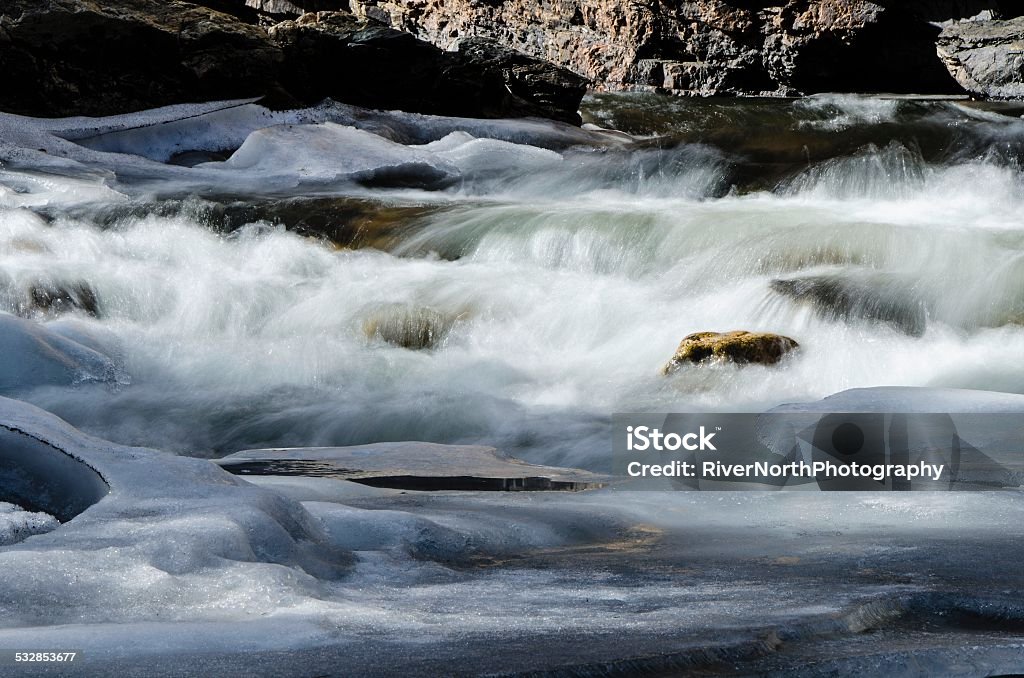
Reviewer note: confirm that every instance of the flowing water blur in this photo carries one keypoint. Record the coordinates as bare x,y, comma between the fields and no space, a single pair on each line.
550,287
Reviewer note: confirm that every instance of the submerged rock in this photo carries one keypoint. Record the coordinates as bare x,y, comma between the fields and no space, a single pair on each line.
839,298
410,326
53,299
345,222
986,57
739,347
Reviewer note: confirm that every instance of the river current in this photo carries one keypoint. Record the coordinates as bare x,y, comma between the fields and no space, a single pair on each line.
511,284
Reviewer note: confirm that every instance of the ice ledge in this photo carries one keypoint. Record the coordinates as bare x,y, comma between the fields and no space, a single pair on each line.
412,466
111,489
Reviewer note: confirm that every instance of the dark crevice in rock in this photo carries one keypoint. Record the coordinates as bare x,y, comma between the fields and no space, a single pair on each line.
465,483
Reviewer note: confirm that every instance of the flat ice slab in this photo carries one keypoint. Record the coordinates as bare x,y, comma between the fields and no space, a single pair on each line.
414,466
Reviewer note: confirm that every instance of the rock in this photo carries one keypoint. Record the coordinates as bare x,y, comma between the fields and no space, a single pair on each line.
53,299
77,57
739,347
853,46
344,222
332,54
410,326
838,298
708,47
44,298
986,57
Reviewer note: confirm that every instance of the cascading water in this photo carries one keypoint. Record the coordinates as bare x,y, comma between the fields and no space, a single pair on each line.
535,286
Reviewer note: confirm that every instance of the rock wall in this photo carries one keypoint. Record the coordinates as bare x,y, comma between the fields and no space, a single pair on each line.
708,46
66,57
986,57
79,57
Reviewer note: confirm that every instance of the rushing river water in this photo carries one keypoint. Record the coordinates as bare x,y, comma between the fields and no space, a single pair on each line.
541,284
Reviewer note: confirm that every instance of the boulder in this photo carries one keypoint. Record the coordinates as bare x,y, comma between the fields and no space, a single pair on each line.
78,57
53,299
740,347
333,54
45,298
986,57
410,326
708,47
834,297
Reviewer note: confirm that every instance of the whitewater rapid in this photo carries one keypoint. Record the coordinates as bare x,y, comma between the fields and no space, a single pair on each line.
563,271
206,279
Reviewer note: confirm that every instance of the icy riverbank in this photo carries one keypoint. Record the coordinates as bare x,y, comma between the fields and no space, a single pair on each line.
183,567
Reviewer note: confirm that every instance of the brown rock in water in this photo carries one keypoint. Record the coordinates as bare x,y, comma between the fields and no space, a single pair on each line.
739,347
410,326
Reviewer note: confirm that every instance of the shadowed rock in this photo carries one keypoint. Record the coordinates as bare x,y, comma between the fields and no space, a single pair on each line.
740,347
707,47
74,57
77,57
333,54
839,298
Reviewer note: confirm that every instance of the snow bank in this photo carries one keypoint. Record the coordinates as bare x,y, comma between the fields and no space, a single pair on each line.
17,524
488,156
183,567
326,147
175,538
326,153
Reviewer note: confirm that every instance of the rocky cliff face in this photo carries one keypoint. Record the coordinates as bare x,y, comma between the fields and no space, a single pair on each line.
79,57
709,46
64,57
986,57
